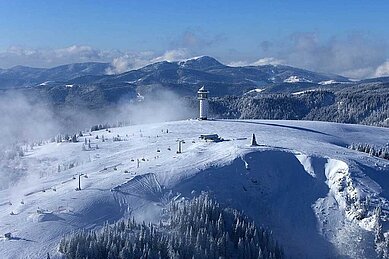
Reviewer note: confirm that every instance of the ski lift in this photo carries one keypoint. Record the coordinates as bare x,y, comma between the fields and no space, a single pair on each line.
179,148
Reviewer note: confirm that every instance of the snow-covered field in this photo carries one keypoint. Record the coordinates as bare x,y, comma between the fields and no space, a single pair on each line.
302,182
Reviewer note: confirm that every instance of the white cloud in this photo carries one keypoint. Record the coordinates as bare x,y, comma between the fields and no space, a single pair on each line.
120,61
259,62
238,63
52,57
355,55
119,65
267,61
130,61
173,55
382,70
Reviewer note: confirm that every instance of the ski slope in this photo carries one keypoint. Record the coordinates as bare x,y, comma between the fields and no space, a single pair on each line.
302,182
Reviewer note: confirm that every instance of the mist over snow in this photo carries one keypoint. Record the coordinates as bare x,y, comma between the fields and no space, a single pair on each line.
163,105
26,124
23,120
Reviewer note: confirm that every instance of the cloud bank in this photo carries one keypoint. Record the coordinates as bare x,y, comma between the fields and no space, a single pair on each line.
355,55
120,61
15,55
259,62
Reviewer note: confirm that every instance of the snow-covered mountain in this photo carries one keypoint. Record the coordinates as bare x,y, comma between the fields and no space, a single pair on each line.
186,74
326,97
317,196
22,76
185,77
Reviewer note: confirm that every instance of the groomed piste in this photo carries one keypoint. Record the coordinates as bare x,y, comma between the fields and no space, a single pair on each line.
302,182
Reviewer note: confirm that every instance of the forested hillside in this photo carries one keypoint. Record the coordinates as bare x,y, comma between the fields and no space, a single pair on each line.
361,104
199,228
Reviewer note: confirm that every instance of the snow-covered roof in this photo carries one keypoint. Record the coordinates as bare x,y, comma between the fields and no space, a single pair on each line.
202,89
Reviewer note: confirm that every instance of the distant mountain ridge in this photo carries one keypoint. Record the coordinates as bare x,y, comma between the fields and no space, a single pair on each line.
184,78
22,76
250,92
186,73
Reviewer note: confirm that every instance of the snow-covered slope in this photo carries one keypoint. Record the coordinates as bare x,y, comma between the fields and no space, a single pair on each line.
301,182
296,79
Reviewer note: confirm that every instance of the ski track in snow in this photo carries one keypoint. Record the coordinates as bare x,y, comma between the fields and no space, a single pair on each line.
301,182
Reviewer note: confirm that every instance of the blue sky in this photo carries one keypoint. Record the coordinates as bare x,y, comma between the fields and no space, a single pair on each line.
237,32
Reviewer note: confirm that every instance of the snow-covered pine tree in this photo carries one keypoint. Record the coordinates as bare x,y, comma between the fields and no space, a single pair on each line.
198,228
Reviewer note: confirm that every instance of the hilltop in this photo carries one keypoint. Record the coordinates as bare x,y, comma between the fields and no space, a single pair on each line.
301,182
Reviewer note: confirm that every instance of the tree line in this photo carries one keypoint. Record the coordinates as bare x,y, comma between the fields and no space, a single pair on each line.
197,228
